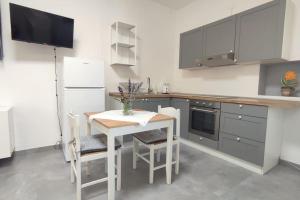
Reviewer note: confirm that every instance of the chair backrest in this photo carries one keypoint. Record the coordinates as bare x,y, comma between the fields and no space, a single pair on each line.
74,121
173,112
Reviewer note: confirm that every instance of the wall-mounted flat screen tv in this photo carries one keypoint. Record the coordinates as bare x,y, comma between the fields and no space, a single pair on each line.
34,26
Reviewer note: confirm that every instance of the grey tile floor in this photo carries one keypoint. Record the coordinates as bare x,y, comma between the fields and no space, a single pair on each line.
43,175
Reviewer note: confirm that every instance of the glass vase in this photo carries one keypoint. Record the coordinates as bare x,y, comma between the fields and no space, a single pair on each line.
127,108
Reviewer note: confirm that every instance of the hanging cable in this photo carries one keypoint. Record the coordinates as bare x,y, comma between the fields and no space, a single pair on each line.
59,143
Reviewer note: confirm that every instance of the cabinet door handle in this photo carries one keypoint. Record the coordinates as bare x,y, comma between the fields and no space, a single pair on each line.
238,139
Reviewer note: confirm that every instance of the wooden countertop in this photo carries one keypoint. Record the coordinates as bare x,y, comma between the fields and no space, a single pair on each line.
117,124
223,99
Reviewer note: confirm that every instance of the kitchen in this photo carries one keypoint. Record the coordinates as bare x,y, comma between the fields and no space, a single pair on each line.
248,88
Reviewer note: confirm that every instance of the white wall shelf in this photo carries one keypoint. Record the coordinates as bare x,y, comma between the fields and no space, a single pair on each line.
123,44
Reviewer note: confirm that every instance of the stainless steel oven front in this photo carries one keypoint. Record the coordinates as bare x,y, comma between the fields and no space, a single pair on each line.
204,120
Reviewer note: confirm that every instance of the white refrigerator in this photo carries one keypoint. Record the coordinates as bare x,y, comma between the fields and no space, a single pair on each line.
81,89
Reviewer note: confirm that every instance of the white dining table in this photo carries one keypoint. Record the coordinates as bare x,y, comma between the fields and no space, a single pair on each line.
113,129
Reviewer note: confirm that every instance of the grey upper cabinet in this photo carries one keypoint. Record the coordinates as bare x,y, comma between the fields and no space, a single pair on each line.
219,37
260,33
184,106
191,48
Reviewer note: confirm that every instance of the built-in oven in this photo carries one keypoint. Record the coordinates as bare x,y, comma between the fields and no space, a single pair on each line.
204,120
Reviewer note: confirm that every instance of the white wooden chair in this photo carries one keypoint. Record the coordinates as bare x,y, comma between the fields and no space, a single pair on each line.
88,148
156,141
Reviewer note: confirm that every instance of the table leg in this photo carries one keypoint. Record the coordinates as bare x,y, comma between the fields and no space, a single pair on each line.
88,132
111,166
169,153
88,128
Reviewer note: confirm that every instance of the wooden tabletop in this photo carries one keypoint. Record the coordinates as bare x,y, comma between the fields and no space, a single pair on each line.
117,124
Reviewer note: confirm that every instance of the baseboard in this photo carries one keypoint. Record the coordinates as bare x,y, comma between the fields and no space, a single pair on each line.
288,163
36,150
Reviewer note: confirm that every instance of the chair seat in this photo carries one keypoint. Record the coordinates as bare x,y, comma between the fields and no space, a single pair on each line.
152,137
95,143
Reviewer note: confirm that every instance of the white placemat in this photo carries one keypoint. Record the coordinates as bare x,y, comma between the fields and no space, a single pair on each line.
141,117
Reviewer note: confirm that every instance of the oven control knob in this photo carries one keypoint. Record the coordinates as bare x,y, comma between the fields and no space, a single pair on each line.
203,103
240,117
241,106
238,139
197,102
210,104
201,138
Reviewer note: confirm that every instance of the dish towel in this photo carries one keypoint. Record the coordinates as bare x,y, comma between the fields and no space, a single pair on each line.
141,117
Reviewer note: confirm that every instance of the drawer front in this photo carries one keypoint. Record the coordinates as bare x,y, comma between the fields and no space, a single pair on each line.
203,141
249,110
242,148
252,128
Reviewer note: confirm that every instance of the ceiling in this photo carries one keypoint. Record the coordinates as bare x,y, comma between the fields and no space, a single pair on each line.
175,4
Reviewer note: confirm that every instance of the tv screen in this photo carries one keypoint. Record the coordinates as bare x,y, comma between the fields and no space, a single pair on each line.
30,25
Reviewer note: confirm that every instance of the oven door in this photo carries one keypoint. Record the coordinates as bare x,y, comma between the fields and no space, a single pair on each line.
204,122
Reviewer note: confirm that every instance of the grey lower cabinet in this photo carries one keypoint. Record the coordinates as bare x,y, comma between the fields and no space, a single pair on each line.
252,128
151,104
191,48
242,148
241,135
203,141
219,37
184,106
260,32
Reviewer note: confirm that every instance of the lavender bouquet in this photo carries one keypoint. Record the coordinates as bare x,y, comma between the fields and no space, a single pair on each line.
127,95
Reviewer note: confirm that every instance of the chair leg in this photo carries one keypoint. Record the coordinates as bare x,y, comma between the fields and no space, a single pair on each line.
119,165
151,168
105,166
71,168
78,180
135,151
158,154
88,170
177,158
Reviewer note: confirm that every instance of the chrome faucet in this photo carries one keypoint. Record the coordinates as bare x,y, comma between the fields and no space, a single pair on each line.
149,85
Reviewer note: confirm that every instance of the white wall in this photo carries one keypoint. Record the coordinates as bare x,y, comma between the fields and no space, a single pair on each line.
27,71
239,80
